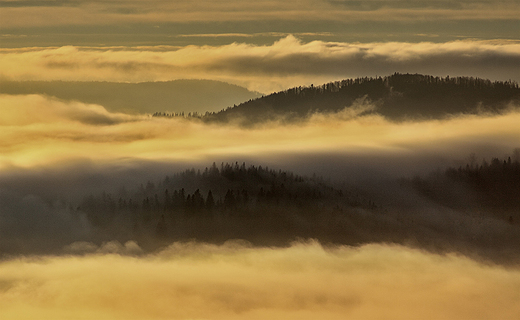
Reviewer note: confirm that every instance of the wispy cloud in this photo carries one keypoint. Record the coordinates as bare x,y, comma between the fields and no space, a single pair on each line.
46,13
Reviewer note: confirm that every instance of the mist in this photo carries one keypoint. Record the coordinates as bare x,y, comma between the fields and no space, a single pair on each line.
376,176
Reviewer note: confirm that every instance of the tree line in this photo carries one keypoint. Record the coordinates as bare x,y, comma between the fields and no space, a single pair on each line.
230,200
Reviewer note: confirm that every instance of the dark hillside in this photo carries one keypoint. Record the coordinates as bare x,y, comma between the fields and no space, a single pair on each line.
473,210
397,97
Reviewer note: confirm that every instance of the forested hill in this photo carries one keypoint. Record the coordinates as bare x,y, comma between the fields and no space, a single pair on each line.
397,97
492,188
473,210
233,201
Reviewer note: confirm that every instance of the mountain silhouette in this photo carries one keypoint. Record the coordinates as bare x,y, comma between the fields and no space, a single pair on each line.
397,97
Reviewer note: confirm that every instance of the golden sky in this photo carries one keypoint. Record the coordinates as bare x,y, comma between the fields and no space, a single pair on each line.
23,13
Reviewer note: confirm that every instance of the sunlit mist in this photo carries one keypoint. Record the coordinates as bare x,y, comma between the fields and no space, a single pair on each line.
38,130
236,281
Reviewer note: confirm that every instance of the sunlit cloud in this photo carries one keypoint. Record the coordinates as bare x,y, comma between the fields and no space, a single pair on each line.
38,130
287,62
235,281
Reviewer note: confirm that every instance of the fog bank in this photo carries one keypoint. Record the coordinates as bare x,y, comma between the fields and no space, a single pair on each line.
39,131
235,281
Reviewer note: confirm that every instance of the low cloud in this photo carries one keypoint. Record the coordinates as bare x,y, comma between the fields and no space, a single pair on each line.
288,62
237,281
37,109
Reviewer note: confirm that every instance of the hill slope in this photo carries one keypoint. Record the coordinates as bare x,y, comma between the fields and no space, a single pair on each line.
397,97
234,201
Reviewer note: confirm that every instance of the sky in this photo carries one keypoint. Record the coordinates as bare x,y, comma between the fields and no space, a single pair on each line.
179,23
264,46
55,149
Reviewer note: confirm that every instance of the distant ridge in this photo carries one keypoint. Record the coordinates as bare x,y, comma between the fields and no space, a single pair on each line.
397,97
143,97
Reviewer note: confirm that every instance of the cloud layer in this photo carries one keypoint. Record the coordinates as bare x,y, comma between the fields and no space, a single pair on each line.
286,63
235,281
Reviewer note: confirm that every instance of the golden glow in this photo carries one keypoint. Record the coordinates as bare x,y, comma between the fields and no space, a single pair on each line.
47,145
233,281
